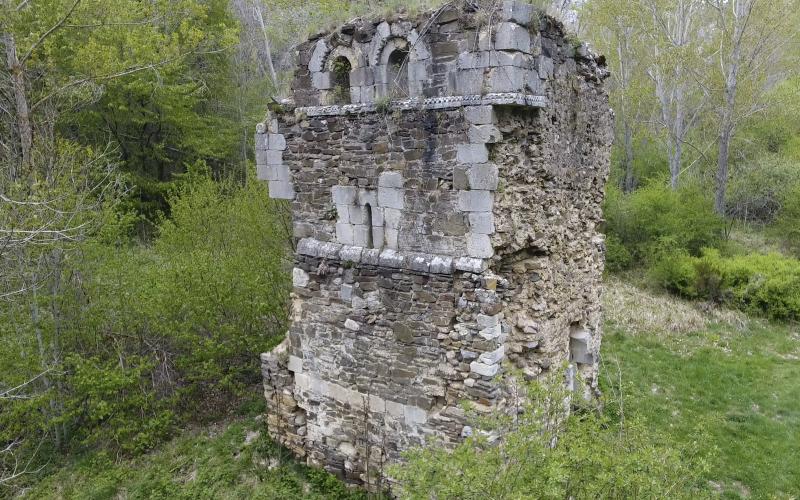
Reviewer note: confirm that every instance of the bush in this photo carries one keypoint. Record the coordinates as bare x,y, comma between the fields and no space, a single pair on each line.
597,455
148,337
767,285
641,221
787,225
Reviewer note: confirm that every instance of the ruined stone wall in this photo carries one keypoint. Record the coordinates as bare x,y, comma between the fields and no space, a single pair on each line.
446,228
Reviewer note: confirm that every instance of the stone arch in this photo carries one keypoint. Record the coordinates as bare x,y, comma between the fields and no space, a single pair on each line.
396,59
342,52
340,79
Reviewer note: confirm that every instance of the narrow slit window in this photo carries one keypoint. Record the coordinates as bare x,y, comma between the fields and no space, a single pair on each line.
368,222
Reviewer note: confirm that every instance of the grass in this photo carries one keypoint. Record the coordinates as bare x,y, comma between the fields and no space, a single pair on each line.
232,460
686,367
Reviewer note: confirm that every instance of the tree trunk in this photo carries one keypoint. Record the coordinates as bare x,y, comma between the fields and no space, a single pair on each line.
628,140
267,49
17,74
722,172
20,99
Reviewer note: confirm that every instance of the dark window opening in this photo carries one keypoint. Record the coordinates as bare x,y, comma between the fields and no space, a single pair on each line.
341,80
368,222
397,68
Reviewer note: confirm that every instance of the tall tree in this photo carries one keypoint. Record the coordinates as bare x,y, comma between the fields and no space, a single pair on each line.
752,38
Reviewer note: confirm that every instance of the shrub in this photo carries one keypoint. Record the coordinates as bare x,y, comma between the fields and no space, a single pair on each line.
767,285
596,455
644,219
787,225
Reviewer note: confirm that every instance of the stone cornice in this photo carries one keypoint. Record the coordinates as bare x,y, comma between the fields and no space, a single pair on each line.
412,261
514,99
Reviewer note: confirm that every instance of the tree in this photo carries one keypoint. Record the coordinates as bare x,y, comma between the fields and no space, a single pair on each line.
751,37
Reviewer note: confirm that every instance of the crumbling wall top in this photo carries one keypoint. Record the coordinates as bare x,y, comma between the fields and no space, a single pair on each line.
461,54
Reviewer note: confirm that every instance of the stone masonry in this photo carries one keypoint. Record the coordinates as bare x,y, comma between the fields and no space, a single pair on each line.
445,174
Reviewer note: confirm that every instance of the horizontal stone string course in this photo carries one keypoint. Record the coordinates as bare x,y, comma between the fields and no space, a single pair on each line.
412,261
516,99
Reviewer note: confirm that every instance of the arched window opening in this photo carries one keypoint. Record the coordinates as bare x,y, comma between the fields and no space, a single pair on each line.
368,222
397,70
341,80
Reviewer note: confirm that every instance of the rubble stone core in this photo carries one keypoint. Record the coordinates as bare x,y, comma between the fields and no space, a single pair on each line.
446,174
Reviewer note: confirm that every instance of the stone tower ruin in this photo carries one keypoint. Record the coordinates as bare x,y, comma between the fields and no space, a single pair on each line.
445,174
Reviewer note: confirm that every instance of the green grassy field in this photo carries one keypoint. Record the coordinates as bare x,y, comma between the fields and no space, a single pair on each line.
713,377
234,460
698,375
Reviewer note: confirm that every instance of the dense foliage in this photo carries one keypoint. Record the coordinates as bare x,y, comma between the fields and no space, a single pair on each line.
541,454
142,338
767,285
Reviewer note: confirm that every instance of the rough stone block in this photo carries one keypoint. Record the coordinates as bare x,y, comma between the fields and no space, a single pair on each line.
344,195
474,60
295,364
481,223
378,236
274,157
512,36
391,258
479,245
361,77
355,95
483,176
391,236
472,153
414,415
345,234
361,235
367,196
262,140
343,214
352,325
357,214
391,198
318,56
322,80
417,71
470,82
418,262
493,357
281,190
479,115
391,180
441,265
483,369
544,66
278,173
350,254
308,246
276,142
329,250
506,79
484,134
475,201
470,265
487,321
517,12
299,278
533,84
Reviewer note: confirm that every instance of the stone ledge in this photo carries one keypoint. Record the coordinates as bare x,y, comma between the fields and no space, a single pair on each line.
393,259
511,98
